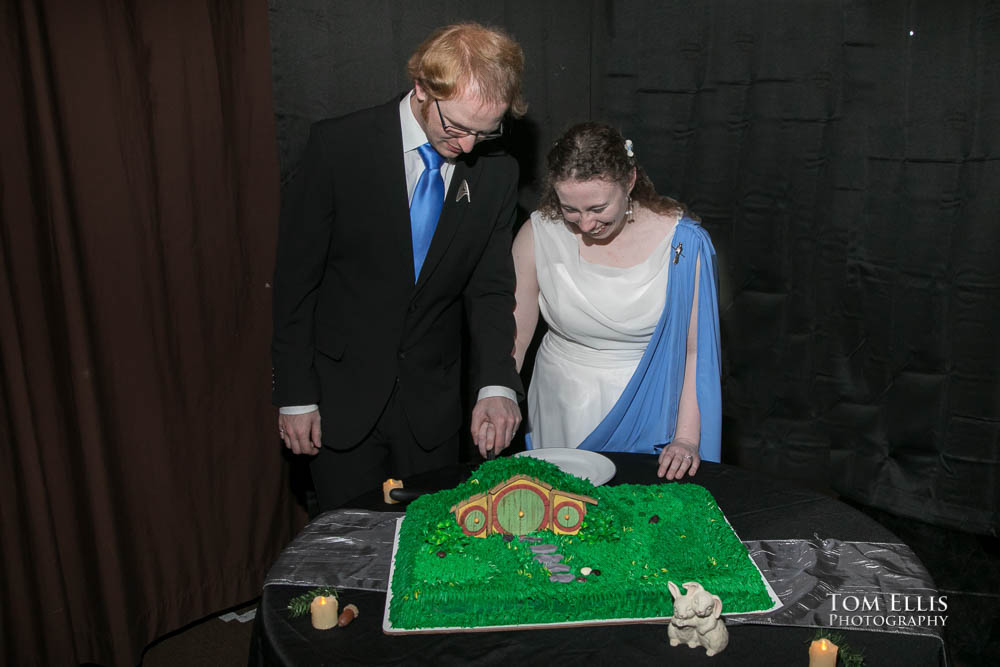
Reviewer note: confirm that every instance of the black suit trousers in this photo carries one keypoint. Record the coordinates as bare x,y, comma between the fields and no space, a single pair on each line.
389,450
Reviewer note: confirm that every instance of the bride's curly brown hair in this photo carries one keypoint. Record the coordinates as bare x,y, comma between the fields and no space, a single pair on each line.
595,150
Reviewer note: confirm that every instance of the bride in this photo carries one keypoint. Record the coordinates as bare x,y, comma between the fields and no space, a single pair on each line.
625,281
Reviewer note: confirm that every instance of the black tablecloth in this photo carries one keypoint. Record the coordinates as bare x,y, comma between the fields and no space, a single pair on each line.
758,507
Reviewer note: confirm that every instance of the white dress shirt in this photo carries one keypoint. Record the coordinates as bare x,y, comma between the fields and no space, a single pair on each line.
413,164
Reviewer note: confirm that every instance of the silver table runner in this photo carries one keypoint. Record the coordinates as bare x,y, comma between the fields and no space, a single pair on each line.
821,582
342,548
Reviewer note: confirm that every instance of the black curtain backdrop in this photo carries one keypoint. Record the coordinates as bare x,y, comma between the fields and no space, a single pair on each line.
844,158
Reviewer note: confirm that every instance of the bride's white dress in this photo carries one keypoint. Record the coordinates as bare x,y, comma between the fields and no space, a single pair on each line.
600,320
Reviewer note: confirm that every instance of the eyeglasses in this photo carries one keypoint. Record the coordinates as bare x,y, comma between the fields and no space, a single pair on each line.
460,133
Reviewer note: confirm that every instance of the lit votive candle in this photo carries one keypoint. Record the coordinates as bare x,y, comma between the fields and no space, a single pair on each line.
324,612
387,486
822,653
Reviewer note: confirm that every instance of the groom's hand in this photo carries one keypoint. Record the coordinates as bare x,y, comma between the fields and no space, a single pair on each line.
301,433
494,423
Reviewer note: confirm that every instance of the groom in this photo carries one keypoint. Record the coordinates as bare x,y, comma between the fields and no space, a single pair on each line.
398,222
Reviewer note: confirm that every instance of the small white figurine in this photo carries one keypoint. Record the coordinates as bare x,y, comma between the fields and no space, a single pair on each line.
697,619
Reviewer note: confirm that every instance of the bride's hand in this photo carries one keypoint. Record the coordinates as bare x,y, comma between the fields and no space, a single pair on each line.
678,458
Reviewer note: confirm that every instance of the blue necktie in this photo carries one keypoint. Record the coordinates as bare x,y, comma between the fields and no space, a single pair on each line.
425,209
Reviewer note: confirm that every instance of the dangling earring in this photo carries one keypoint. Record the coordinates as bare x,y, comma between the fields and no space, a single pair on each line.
628,211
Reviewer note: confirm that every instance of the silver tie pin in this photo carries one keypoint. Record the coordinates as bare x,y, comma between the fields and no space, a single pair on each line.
463,191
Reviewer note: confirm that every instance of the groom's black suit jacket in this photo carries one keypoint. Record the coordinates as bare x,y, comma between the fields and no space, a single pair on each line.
349,322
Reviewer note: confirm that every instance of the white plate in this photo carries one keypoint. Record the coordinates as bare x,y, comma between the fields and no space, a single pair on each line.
593,467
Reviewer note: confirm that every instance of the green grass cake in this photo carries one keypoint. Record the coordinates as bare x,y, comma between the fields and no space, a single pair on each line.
523,543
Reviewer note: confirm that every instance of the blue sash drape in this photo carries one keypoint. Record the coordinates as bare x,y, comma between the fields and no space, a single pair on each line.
645,417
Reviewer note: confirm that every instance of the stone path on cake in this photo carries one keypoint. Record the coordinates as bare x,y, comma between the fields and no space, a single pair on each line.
547,556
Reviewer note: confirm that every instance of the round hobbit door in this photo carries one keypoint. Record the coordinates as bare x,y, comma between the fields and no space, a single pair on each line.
474,521
568,516
521,510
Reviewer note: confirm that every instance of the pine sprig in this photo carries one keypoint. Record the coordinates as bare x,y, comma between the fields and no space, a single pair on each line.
846,655
299,605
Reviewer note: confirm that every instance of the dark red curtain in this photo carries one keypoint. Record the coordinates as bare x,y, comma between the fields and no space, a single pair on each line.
141,482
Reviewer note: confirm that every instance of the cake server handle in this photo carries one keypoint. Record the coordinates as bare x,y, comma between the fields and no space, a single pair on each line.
405,495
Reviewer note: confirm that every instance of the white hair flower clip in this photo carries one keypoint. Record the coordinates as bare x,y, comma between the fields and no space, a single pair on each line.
628,148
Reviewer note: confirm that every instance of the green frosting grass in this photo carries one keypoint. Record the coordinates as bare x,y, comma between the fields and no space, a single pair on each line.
444,578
